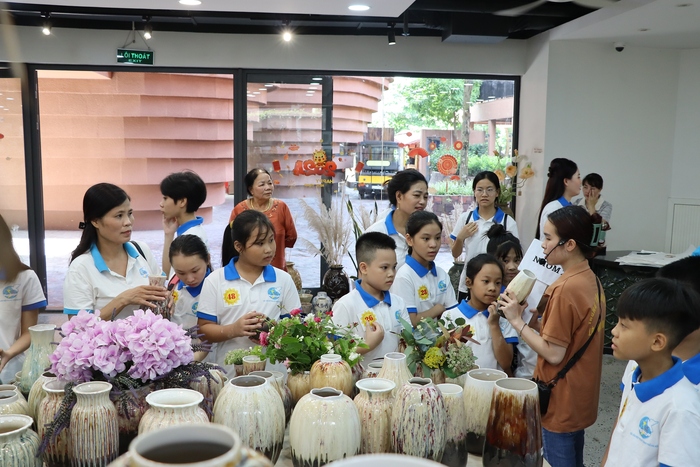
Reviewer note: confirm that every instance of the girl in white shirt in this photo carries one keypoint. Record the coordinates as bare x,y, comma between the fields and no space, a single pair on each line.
190,259
563,183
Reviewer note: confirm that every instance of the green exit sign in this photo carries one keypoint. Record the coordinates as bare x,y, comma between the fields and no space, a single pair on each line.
137,57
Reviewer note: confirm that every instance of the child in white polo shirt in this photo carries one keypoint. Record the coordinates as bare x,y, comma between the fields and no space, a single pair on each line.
236,299
659,419
370,306
425,287
190,259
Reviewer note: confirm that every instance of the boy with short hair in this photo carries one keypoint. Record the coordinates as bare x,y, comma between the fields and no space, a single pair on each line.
183,194
659,419
375,312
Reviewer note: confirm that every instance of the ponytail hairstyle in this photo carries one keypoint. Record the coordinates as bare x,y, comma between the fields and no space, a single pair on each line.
241,229
560,169
501,242
402,182
417,221
575,223
189,245
10,264
98,200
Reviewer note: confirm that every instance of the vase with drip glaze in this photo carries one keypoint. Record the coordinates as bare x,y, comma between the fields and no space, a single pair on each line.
456,453
36,360
299,385
37,393
19,444
478,392
276,378
374,404
93,426
58,450
172,407
333,372
395,368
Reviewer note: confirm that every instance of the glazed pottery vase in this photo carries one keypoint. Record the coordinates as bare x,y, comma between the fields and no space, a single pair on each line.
131,405
210,388
384,460
276,378
436,375
296,277
93,426
372,370
335,282
454,272
36,361
239,370
19,445
325,426
172,407
331,371
374,404
253,408
299,384
395,368
418,420
37,393
252,363
58,450
514,430
322,303
478,392
11,402
456,453
13,387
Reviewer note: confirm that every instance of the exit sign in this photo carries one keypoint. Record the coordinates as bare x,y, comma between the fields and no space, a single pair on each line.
137,57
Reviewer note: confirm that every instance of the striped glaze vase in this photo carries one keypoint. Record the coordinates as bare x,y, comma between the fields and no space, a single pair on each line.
93,426
18,443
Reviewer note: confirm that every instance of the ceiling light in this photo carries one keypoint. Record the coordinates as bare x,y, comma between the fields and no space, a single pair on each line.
269,85
358,8
392,35
405,26
256,92
262,89
10,98
147,30
287,36
317,78
46,29
314,84
190,2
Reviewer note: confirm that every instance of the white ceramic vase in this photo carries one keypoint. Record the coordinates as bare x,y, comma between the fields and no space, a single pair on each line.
37,393
299,385
285,394
478,392
374,404
172,407
395,369
12,402
58,451
456,453
331,371
93,426
372,369
36,361
18,443
210,388
384,460
325,426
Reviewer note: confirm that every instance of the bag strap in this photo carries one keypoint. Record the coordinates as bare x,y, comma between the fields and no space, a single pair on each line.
138,248
469,217
577,356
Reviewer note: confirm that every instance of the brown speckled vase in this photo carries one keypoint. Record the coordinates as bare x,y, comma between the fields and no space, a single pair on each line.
93,426
374,404
331,371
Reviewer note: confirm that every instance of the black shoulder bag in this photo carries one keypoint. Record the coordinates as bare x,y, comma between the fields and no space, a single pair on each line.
545,389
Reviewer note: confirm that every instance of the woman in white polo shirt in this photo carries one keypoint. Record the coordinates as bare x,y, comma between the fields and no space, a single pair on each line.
108,272
563,183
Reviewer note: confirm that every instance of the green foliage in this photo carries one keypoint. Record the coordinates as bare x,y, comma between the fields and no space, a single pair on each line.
486,162
480,149
235,357
456,187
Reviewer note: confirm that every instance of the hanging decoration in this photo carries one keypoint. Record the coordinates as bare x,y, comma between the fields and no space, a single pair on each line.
276,166
294,147
458,145
447,165
418,152
318,165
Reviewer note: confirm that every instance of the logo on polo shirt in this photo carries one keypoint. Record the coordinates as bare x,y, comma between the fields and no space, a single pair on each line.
10,292
442,287
231,296
397,314
176,295
423,293
274,293
143,272
646,426
195,305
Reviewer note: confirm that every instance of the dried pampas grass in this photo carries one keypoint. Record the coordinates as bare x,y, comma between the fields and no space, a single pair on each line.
333,230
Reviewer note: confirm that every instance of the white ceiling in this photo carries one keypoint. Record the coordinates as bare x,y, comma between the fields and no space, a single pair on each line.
379,8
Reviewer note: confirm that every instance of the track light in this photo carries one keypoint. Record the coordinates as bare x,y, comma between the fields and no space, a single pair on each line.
46,27
405,26
392,34
148,28
286,32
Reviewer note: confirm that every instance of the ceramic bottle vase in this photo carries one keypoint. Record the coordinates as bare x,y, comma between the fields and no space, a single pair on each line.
418,420
296,277
36,359
335,282
514,431
395,369
374,404
58,451
331,371
478,392
12,403
253,408
299,384
277,380
372,370
210,388
456,453
93,426
18,443
172,407
325,426
37,393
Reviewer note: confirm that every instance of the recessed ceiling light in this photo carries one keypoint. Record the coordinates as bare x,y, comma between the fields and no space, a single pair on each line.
190,2
314,84
358,8
318,78
287,36
269,85
10,98
262,89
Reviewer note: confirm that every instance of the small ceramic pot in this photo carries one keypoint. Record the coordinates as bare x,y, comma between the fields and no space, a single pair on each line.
372,370
19,445
172,407
12,403
333,372
252,363
299,384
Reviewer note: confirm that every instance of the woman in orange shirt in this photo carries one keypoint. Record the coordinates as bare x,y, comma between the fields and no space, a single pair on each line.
260,188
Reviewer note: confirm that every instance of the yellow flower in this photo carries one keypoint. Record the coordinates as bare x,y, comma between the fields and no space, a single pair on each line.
526,173
434,358
368,317
511,170
499,173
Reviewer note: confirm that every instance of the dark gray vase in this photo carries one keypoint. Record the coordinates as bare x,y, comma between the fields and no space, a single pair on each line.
335,282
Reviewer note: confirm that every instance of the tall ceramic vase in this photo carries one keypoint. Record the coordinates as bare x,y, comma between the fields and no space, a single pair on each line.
19,445
335,282
299,384
172,407
285,394
456,454
325,427
210,388
333,372
374,404
478,392
58,451
93,426
253,408
418,420
36,360
37,393
514,431
395,368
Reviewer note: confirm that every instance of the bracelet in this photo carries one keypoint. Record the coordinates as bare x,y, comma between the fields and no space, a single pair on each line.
520,333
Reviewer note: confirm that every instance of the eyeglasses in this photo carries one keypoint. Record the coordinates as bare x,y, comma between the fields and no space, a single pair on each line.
488,191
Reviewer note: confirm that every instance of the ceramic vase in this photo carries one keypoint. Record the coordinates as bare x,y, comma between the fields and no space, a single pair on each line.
372,370
58,450
19,445
335,282
13,387
454,273
333,372
36,359
395,369
299,384
210,388
276,378
322,303
238,370
131,405
252,363
478,392
436,375
514,430
93,426
374,404
296,277
418,420
253,408
11,402
325,426
456,453
37,393
172,407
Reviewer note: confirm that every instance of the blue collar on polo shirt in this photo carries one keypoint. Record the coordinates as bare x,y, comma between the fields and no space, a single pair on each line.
231,274
189,224
419,268
469,311
564,202
497,218
649,389
369,300
100,262
194,291
389,222
691,369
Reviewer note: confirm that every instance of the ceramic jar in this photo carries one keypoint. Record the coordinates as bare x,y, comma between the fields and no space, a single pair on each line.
129,413
335,282
418,420
36,359
12,403
93,426
333,372
372,370
395,369
456,454
478,392
253,408
385,460
13,387
18,443
37,393
322,303
325,426
436,375
253,363
299,384
172,407
285,394
514,430
374,404
296,277
58,450
210,388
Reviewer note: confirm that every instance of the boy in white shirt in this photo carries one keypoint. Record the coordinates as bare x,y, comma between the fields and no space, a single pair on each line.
370,307
659,419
